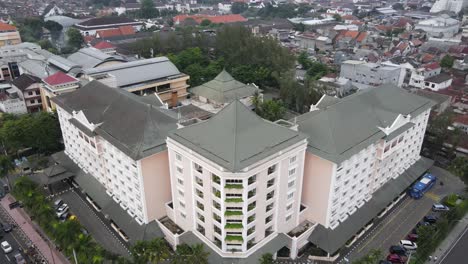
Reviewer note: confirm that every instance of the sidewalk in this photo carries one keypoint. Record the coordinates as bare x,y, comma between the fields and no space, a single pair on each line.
22,220
450,241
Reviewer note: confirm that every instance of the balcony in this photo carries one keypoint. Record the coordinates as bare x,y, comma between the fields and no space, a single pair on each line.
234,200
216,179
169,224
234,239
251,194
234,186
230,226
233,213
250,219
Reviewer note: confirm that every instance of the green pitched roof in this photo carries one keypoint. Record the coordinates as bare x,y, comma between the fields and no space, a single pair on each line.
224,89
340,129
236,138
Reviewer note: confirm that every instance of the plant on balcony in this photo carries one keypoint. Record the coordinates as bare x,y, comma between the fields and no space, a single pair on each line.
216,179
218,194
234,200
234,186
251,207
231,213
234,226
234,238
250,219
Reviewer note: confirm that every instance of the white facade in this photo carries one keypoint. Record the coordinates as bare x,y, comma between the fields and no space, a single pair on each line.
366,75
419,75
356,179
120,175
236,212
13,106
449,5
442,26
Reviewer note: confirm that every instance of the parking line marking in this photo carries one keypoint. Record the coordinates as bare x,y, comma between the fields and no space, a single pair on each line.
433,196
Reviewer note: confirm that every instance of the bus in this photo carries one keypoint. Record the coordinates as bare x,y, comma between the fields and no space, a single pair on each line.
423,185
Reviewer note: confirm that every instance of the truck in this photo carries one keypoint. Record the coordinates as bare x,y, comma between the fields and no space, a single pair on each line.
423,185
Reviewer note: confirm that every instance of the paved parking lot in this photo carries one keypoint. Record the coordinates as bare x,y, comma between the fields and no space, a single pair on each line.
93,224
404,217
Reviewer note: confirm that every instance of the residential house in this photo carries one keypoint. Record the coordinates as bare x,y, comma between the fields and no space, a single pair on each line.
438,82
10,101
366,75
426,71
28,87
442,26
92,26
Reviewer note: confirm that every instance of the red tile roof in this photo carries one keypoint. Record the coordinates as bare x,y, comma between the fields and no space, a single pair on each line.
432,66
121,31
361,36
59,78
6,27
127,30
462,119
104,45
214,19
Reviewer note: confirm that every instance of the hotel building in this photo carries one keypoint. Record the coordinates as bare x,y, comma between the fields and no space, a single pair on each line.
245,186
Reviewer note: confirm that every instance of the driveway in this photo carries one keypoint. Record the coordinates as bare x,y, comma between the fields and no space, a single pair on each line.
403,218
93,224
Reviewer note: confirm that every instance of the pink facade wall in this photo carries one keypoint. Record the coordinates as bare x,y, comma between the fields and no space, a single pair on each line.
157,184
316,188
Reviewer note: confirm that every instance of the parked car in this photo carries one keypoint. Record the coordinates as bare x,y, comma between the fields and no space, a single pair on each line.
62,210
430,219
394,258
6,247
412,237
58,203
408,245
6,227
439,207
399,250
19,259
422,223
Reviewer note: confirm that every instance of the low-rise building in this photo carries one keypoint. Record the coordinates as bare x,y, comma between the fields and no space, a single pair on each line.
91,26
419,75
438,82
142,77
365,75
461,121
28,87
54,85
442,26
10,101
9,35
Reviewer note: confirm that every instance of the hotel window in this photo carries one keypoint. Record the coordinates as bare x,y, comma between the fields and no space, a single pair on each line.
183,215
198,168
271,169
289,207
292,171
288,217
182,204
290,195
178,157
291,184
180,181
292,160
180,170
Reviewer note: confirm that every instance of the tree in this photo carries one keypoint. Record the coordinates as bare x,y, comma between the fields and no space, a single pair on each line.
53,26
147,9
190,254
337,17
199,255
447,61
205,22
271,110
75,39
266,258
31,29
239,7
373,257
459,167
6,166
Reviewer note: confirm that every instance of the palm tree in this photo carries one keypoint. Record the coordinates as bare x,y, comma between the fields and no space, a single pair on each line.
159,251
266,258
199,255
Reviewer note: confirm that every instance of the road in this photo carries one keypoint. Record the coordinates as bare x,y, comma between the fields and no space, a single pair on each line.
15,239
88,218
458,250
403,218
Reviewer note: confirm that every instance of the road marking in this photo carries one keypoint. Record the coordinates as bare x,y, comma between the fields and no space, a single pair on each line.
453,245
385,224
433,196
6,256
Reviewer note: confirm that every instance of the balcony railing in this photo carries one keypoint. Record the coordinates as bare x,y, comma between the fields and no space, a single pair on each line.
233,226
234,186
234,238
216,179
234,200
232,213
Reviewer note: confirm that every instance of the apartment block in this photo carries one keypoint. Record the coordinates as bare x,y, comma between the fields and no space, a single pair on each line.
9,35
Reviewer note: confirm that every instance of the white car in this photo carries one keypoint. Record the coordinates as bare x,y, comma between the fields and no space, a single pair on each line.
6,247
408,245
63,209
439,207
